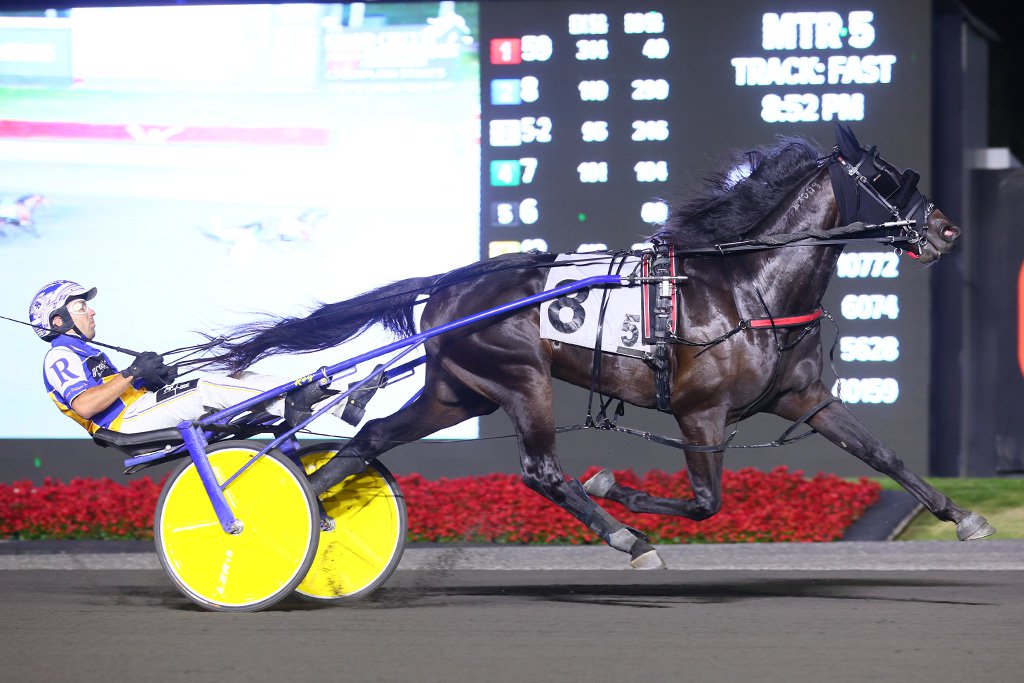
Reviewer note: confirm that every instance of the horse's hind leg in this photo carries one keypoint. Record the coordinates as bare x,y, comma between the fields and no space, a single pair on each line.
424,416
532,416
542,473
837,424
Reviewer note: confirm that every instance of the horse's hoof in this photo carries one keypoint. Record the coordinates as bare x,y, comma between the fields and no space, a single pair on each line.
597,486
974,526
648,560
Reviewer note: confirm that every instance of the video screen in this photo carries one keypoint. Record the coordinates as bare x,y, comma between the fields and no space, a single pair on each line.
202,165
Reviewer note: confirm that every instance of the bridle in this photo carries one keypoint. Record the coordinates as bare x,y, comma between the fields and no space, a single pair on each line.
874,191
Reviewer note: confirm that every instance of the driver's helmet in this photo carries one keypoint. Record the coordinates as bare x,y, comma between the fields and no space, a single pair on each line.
52,300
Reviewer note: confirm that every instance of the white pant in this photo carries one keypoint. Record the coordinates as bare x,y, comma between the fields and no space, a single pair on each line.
190,399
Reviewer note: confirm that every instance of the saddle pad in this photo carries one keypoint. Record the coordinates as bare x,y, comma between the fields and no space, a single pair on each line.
573,319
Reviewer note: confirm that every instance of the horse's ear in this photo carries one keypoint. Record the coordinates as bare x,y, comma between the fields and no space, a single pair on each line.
847,142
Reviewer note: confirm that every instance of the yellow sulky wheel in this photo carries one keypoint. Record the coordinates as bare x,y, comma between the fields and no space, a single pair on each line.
366,544
250,570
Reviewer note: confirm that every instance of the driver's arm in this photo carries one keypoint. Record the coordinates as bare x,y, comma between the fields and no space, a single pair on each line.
98,398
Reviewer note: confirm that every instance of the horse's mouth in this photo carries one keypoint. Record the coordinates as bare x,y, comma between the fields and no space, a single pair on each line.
939,241
949,234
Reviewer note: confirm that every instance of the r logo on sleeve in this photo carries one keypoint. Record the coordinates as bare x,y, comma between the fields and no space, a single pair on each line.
61,368
66,373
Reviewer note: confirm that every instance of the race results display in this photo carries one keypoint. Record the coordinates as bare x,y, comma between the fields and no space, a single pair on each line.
576,130
598,116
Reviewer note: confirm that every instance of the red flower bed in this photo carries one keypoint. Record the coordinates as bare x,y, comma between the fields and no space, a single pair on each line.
757,506
82,508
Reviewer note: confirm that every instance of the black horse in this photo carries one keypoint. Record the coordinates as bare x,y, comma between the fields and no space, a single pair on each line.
789,191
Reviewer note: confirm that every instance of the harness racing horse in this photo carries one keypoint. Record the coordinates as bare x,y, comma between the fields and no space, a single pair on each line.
790,191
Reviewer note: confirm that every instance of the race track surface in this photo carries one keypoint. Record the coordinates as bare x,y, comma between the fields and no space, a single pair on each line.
441,623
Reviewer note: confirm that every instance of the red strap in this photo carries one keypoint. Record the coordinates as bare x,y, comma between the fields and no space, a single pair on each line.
788,321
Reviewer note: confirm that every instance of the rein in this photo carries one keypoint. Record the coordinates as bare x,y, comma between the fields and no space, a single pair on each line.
814,238
92,341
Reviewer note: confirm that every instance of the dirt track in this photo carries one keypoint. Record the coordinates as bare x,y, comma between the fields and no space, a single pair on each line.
528,626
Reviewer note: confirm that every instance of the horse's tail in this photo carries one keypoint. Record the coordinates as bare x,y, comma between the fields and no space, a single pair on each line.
332,324
325,327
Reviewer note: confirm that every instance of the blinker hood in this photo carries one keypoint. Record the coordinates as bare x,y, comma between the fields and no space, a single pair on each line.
857,173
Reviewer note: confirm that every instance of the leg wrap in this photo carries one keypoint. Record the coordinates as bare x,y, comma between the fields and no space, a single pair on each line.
599,484
580,505
623,540
612,531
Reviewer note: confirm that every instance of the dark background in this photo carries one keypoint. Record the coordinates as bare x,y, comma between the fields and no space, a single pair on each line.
1005,23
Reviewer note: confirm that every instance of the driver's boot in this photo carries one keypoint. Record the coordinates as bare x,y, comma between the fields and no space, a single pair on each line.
298,404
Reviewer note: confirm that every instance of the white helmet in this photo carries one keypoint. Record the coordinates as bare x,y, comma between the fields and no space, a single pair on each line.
52,300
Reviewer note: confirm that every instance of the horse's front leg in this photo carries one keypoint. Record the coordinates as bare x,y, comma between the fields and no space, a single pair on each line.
704,468
837,424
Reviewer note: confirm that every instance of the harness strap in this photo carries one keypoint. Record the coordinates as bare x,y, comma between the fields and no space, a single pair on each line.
656,438
788,321
818,407
756,324
785,438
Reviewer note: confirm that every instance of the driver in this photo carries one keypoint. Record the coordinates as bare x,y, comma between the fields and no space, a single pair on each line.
87,387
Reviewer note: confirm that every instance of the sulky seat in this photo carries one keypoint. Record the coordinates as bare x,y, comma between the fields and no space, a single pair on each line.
139,443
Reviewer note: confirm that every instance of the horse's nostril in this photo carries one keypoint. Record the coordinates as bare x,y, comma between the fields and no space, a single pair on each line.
950,233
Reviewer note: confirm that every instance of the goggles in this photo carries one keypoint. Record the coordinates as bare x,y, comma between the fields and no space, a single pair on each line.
78,306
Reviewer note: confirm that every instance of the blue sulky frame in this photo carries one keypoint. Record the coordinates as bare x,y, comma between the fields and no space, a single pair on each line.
196,434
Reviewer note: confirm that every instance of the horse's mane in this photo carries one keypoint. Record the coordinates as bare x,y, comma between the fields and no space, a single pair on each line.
734,205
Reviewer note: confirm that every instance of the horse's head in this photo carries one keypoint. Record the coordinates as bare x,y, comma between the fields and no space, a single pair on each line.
870,189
